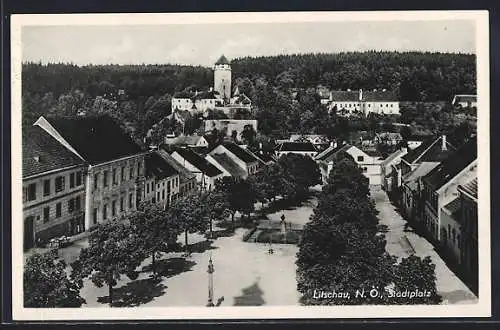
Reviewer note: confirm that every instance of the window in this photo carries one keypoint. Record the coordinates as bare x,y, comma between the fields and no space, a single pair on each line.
131,173
59,183
138,169
71,205
77,203
147,188
94,216
72,180
121,204
122,175
78,178
46,212
105,211
46,187
115,181
96,180
29,192
168,186
58,210
113,208
163,194
105,179
130,200
360,158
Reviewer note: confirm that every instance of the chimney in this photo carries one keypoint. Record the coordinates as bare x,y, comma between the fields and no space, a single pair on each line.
360,94
211,89
443,143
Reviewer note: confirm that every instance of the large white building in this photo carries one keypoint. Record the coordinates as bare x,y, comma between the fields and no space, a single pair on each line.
347,103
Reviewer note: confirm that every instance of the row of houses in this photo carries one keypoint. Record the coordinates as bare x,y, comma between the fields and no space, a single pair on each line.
80,172
435,186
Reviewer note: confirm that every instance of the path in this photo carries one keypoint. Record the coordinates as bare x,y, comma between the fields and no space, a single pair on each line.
449,286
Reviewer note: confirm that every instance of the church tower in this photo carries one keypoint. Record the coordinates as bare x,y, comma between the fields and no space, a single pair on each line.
222,78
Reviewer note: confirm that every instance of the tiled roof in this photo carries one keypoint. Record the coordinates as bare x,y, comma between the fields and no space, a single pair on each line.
454,207
343,96
229,165
222,60
297,146
158,167
452,165
379,96
422,170
470,187
389,136
429,151
465,98
241,153
198,161
264,157
184,140
331,151
392,156
184,174
96,139
51,155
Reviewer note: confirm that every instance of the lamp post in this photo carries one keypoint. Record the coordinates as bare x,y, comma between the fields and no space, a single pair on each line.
210,272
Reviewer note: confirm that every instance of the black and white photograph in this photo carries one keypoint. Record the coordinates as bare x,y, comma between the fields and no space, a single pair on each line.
250,165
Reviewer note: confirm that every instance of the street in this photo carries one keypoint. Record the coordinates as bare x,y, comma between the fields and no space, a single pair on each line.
402,241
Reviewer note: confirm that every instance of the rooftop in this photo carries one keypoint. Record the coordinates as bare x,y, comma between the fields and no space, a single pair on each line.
198,161
297,146
452,165
184,174
464,98
470,188
429,151
42,153
241,153
97,139
422,170
229,165
222,60
331,151
158,167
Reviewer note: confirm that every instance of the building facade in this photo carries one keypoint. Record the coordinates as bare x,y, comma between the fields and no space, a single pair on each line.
162,180
53,189
115,164
441,185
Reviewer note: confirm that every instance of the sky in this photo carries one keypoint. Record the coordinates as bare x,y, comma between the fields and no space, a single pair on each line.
203,44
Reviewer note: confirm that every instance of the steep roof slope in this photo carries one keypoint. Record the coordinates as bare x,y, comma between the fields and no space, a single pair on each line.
96,139
42,153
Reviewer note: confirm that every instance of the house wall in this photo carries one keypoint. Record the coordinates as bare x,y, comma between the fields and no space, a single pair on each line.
370,165
68,222
205,182
118,197
445,195
450,234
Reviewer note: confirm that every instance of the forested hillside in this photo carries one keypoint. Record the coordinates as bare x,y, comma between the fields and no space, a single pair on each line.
416,76
66,89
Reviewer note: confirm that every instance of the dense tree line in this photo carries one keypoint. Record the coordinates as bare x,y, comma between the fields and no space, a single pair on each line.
342,250
415,76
